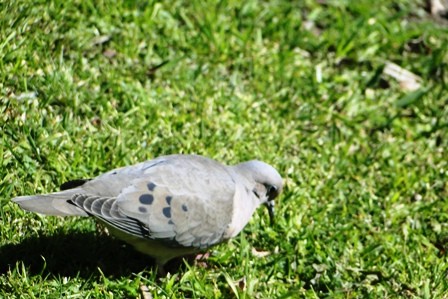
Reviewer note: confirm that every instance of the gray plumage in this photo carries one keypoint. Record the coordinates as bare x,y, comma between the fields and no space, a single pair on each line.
170,206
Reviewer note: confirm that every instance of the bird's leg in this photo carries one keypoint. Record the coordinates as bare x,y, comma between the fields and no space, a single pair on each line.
161,272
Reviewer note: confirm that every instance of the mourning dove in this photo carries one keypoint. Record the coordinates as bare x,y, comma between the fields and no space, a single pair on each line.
168,207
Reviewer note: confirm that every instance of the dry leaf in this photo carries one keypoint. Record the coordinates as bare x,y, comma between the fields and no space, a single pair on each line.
144,292
241,283
408,81
110,53
257,253
438,7
100,39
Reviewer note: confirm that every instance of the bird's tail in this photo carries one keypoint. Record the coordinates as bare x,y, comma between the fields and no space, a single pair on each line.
57,203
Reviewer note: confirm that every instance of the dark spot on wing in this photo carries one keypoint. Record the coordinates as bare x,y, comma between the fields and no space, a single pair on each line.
142,209
146,199
167,212
168,199
184,208
151,186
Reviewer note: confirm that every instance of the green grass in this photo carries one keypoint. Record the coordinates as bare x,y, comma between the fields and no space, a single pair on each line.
87,86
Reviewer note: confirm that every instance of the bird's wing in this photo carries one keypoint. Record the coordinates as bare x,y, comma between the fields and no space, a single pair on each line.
188,200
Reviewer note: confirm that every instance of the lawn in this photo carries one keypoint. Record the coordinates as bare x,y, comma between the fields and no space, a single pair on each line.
87,86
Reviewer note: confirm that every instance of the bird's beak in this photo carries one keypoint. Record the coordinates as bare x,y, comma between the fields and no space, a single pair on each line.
270,205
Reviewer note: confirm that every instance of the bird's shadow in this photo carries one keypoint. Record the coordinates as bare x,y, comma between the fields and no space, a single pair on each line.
74,254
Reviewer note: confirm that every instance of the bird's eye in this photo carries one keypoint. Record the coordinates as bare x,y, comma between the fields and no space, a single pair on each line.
271,192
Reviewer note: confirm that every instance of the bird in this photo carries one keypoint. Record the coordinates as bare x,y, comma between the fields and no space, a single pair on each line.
168,207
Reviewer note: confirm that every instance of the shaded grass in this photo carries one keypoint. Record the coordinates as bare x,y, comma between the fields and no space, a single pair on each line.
86,87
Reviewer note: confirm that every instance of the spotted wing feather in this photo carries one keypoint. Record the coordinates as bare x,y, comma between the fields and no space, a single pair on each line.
186,201
105,209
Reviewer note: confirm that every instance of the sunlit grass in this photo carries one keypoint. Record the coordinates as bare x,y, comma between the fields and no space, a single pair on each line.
89,86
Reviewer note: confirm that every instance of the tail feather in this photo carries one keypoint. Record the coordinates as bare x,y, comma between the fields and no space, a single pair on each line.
57,204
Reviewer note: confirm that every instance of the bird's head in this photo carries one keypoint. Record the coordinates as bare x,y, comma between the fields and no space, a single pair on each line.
267,182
